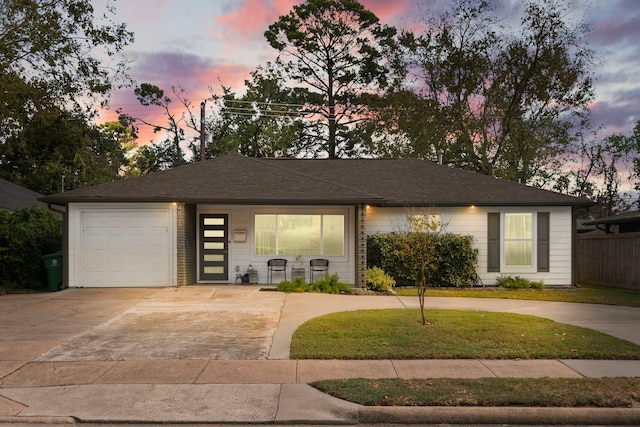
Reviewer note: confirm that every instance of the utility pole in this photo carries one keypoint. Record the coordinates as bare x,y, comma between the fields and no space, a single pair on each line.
202,131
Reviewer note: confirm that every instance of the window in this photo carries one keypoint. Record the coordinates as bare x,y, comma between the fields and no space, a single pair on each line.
299,234
518,240
426,223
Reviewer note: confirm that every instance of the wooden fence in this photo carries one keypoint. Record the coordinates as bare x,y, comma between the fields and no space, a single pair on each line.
609,259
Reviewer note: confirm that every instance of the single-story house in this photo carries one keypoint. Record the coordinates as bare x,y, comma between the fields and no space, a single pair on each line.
209,221
628,222
14,197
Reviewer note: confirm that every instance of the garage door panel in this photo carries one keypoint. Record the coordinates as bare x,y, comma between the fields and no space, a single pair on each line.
93,259
129,247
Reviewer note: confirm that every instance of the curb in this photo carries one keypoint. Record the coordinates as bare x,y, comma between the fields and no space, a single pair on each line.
37,420
510,415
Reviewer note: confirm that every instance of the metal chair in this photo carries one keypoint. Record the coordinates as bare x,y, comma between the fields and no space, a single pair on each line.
276,264
318,264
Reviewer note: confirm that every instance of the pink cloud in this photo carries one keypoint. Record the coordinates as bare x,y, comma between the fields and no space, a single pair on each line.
621,30
190,72
619,117
387,10
252,18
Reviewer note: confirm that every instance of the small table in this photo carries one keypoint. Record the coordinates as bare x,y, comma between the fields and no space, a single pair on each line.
253,276
298,272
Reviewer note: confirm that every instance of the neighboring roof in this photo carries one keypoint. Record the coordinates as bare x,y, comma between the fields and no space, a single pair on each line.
616,219
14,197
391,182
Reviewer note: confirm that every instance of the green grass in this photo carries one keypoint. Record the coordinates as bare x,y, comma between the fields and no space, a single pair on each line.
399,334
539,392
589,294
382,334
451,334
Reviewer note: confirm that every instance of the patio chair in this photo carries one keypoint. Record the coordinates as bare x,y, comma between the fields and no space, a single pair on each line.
276,264
316,265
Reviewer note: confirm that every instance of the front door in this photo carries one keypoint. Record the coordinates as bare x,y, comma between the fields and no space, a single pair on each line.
214,247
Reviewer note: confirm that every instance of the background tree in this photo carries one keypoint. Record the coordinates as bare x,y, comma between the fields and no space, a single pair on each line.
496,102
151,158
267,120
333,49
59,150
151,95
603,165
52,61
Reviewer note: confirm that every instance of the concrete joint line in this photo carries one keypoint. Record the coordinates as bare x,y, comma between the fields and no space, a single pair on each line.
573,369
204,368
278,405
395,369
488,368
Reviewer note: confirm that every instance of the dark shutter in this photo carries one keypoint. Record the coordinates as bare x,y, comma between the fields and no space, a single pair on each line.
543,242
493,234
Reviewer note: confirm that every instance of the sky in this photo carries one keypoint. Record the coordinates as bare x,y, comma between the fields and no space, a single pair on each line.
197,44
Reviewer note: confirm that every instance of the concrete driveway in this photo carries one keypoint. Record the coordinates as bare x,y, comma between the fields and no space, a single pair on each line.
139,324
183,355
221,322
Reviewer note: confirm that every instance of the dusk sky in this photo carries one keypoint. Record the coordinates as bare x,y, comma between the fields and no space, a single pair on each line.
200,43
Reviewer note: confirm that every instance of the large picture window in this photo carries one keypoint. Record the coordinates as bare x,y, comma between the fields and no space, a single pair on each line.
299,234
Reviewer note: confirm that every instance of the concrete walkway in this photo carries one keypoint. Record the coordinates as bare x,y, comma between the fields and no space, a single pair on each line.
220,355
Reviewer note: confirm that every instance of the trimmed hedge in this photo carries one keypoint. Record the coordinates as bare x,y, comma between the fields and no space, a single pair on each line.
26,235
456,268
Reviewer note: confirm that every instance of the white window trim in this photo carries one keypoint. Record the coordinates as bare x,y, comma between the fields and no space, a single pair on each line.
303,211
504,268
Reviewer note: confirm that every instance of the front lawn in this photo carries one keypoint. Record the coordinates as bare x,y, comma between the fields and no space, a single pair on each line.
539,392
451,334
399,334
590,294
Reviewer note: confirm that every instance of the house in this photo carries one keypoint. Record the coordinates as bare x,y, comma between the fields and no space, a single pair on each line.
14,197
208,221
628,222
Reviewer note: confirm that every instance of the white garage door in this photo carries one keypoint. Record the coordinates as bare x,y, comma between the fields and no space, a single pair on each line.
125,248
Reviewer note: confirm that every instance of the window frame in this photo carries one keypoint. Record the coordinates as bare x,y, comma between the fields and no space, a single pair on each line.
344,212
504,268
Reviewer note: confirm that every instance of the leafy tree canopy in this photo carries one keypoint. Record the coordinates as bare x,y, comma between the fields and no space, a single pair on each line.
54,69
52,52
334,49
495,101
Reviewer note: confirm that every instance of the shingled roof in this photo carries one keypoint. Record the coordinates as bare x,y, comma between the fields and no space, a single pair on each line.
14,197
235,179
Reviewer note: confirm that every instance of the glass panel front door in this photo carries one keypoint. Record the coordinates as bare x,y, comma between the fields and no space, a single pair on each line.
214,247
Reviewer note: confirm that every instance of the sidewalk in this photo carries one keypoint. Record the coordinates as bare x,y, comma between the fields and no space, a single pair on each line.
50,379
273,391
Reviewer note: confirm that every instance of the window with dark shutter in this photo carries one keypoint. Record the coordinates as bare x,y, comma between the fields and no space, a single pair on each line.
543,241
493,262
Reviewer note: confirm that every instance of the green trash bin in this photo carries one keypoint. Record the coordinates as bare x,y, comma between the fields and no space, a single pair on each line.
53,265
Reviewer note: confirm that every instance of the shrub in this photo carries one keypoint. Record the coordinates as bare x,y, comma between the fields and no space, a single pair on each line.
328,285
518,282
457,261
378,280
297,285
455,258
382,252
26,235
